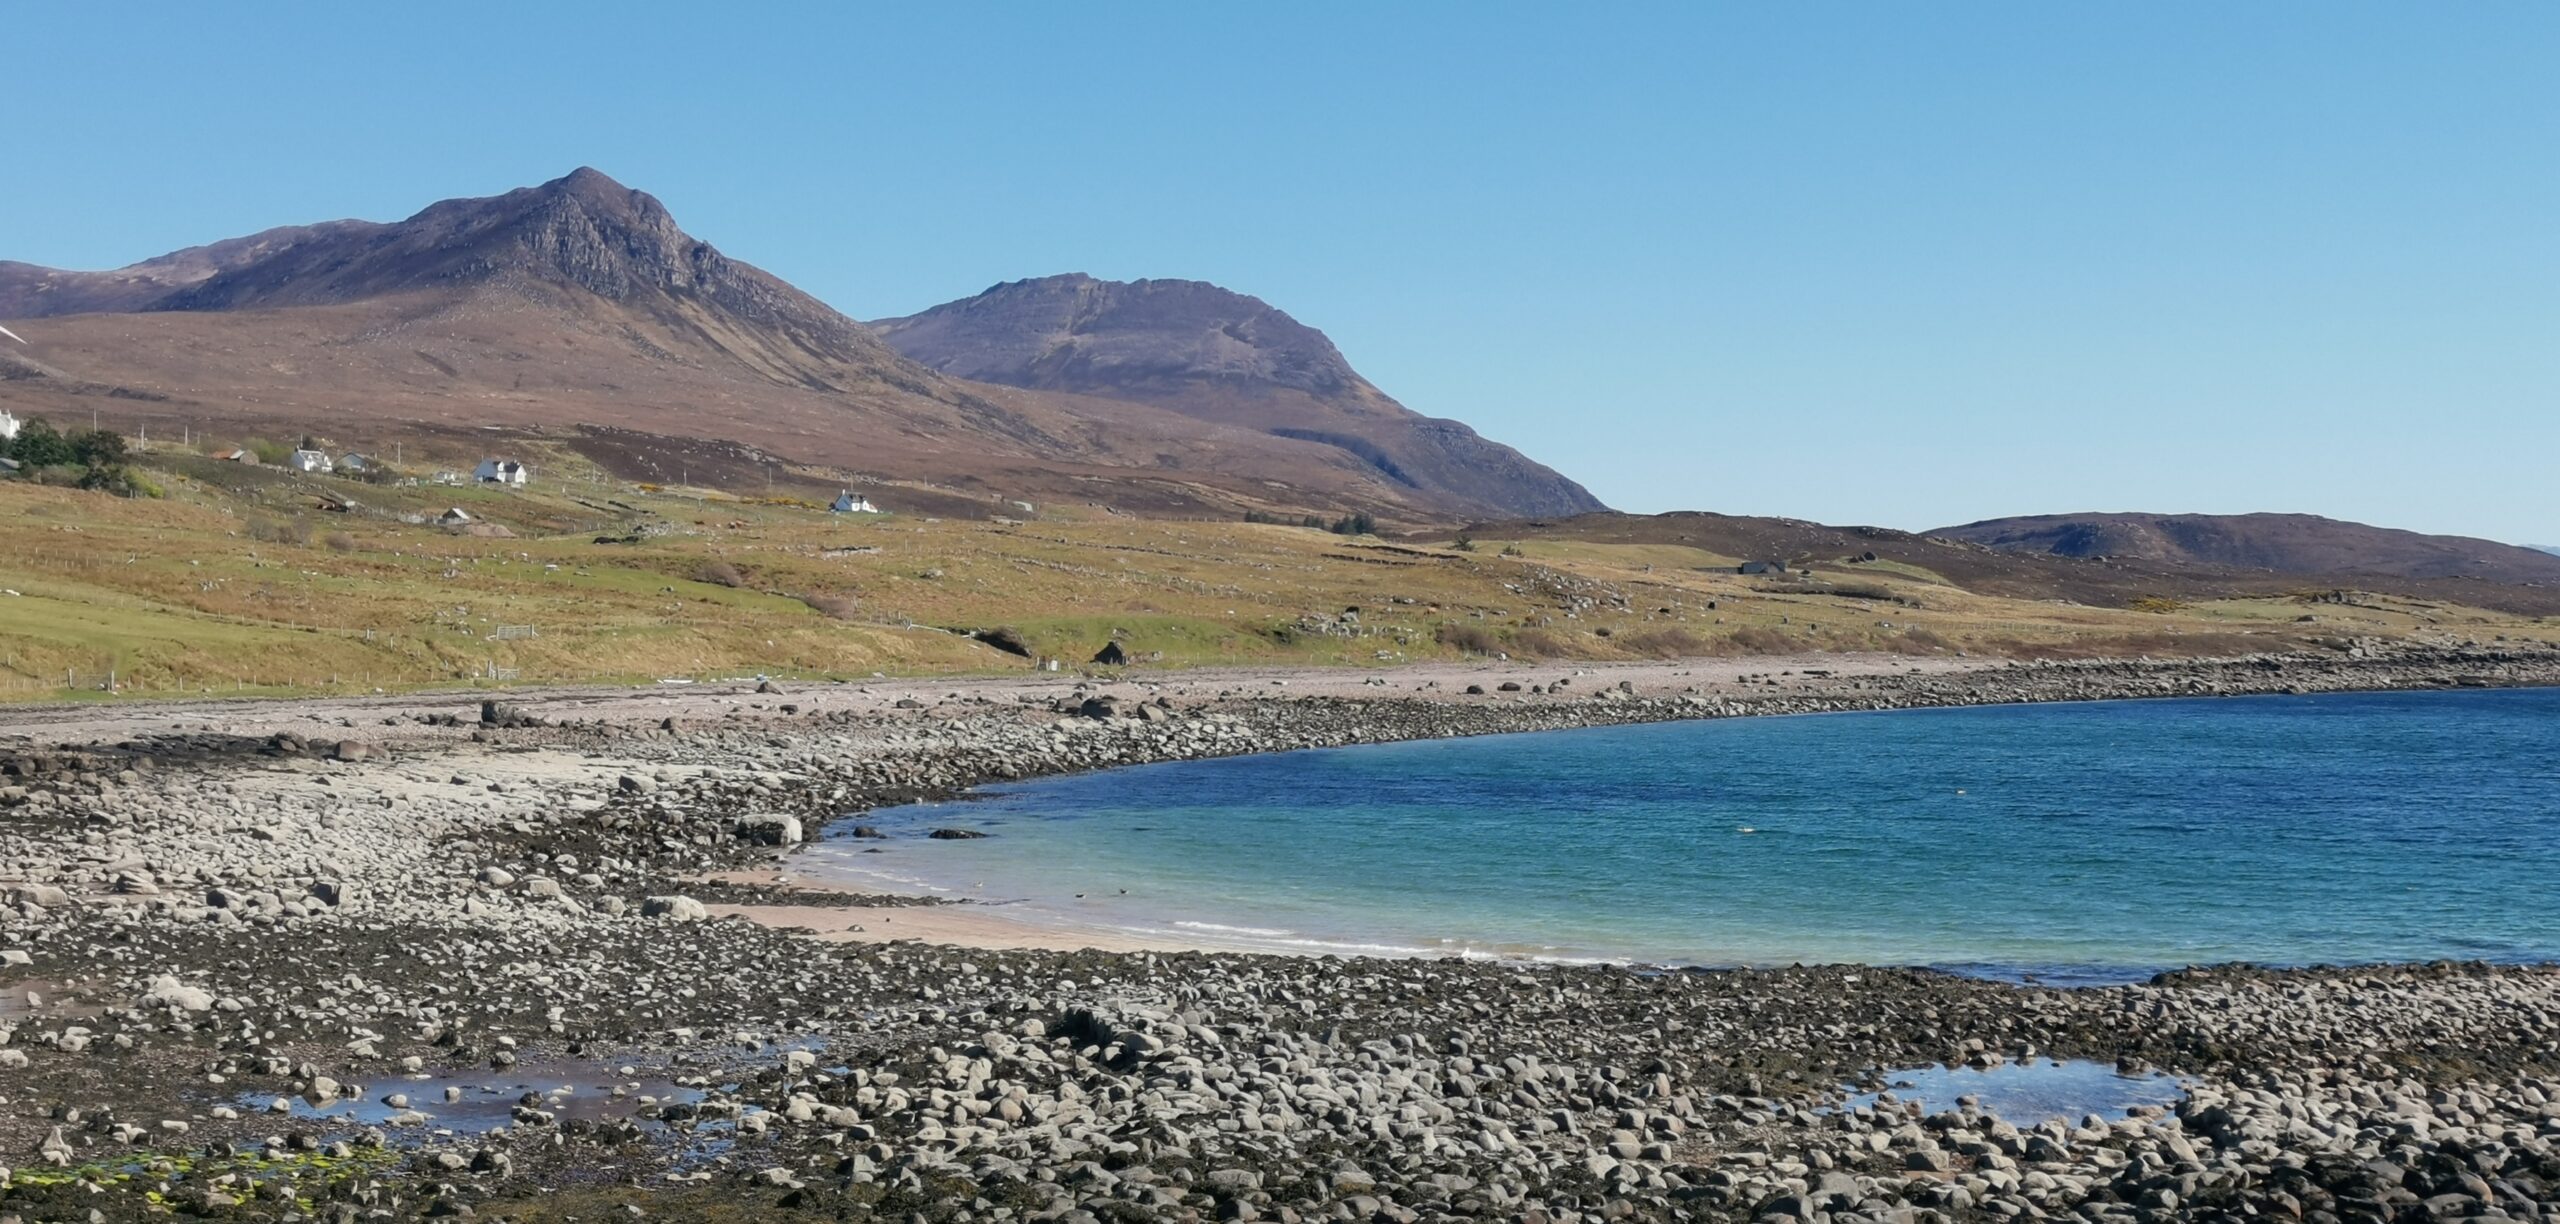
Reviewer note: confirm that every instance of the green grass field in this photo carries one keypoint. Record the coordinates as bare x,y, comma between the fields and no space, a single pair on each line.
239,580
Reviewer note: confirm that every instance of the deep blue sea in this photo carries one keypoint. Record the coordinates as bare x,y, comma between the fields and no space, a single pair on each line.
2083,841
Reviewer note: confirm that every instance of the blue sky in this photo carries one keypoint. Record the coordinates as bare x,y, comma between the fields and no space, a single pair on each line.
1899,264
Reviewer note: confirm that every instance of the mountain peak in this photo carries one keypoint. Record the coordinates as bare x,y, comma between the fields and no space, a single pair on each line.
1074,332
586,178
581,230
581,247
590,188
1215,354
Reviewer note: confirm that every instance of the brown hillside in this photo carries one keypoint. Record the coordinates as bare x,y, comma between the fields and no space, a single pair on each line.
2282,543
1220,356
31,292
579,304
2111,581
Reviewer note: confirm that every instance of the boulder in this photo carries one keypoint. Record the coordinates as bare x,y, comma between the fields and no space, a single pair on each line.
770,829
45,895
495,713
674,908
167,991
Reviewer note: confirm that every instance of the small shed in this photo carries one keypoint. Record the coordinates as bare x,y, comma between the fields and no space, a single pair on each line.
453,518
507,472
1111,655
354,462
310,461
1761,567
237,455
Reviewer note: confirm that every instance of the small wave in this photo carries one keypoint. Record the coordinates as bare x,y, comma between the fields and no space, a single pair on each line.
840,869
1293,942
1264,937
1222,928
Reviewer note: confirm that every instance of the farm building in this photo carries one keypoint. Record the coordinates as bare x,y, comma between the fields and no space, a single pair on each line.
848,502
502,471
8,427
310,461
1761,567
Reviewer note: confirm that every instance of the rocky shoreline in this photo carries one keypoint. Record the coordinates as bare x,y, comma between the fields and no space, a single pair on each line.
338,970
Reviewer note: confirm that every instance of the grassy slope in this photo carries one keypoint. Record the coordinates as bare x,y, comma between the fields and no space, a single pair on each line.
238,582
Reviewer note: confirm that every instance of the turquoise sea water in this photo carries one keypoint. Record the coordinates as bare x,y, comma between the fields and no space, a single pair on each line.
2091,840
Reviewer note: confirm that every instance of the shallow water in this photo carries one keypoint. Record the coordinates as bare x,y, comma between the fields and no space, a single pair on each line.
2027,1093
568,1090
2086,841
488,1102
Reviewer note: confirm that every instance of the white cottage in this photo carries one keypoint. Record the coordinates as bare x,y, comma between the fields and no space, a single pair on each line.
8,427
310,461
848,502
503,472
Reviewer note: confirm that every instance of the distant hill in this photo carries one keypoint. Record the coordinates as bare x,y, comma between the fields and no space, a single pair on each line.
578,309
2116,580
1221,356
2553,549
2278,543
